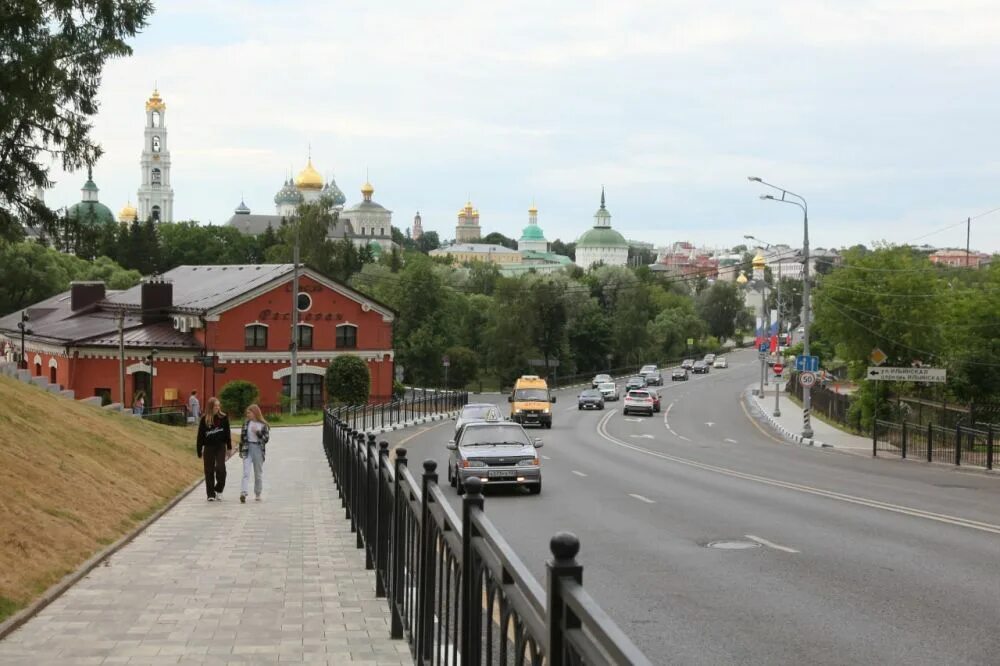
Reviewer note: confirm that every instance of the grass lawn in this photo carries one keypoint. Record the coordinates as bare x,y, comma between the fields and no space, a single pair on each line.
279,420
73,479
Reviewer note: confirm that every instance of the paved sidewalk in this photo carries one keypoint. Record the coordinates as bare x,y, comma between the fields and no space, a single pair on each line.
789,424
227,583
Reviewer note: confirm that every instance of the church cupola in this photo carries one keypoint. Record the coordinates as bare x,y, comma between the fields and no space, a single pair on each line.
156,197
89,190
367,191
242,209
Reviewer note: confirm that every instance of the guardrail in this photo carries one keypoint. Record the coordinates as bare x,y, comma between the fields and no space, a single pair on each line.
457,591
387,414
961,445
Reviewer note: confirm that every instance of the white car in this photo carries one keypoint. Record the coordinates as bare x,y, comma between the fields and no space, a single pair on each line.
609,390
638,401
721,362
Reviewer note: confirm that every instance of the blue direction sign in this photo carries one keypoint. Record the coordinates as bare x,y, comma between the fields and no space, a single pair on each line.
806,363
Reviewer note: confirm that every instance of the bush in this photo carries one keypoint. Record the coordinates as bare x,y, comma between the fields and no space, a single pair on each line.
464,366
348,381
398,390
236,396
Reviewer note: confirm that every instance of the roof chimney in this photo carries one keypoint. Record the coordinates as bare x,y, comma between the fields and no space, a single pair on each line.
157,299
84,294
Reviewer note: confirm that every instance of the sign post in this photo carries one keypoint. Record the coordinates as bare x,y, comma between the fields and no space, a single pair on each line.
446,362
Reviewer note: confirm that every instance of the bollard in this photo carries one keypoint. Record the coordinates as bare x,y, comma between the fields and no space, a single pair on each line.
423,645
561,619
397,582
472,589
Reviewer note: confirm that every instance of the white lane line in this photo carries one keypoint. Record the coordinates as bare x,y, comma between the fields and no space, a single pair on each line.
808,490
684,438
546,458
579,473
641,498
770,544
634,420
730,441
642,437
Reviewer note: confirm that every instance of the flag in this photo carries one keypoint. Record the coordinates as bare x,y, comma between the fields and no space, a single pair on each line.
774,343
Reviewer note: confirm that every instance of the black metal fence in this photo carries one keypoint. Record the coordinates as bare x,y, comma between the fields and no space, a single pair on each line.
960,445
457,591
413,405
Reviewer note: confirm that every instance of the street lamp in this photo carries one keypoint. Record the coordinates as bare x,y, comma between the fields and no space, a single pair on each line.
807,430
150,360
23,327
758,280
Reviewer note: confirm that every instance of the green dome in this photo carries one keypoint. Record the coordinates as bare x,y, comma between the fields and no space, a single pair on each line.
532,232
90,212
376,249
602,237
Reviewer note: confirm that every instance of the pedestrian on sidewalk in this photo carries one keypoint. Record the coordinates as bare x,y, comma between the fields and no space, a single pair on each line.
194,407
253,448
139,403
214,440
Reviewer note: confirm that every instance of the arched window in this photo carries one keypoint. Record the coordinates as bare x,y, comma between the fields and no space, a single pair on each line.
155,177
255,336
156,144
305,336
156,118
347,336
52,375
38,369
156,213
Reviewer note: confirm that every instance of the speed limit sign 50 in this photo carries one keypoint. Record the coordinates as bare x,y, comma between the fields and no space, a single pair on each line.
807,379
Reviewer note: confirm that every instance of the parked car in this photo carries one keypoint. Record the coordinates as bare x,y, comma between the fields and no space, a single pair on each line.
638,401
476,411
590,399
498,453
679,374
709,359
700,368
656,400
652,375
687,363
598,380
637,382
610,391
721,362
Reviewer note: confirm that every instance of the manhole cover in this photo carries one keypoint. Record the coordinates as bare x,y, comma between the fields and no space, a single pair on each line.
732,544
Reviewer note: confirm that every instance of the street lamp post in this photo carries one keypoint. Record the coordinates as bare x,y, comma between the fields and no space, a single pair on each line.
758,276
807,430
151,360
23,327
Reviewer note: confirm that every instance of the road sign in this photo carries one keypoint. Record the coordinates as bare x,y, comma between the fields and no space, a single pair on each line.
445,361
763,354
777,367
884,374
807,379
878,357
806,363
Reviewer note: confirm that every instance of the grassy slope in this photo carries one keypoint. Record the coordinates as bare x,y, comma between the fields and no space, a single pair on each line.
73,479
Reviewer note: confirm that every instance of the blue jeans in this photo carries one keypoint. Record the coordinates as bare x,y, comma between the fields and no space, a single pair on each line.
255,461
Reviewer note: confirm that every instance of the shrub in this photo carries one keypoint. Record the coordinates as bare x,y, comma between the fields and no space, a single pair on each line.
236,396
398,390
348,381
464,366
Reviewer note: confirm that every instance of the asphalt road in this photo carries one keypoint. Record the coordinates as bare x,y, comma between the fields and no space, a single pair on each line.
843,559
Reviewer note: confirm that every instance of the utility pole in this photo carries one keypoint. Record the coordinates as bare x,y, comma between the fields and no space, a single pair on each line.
968,234
807,430
777,384
293,385
121,357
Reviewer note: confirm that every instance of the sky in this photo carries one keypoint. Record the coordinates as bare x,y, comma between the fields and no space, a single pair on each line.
882,114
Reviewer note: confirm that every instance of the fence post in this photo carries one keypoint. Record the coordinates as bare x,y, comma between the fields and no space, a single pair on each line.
958,444
989,446
351,481
425,584
874,438
472,589
399,511
904,439
564,547
930,442
382,520
371,501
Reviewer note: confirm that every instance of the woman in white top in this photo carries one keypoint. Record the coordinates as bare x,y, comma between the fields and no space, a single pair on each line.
253,447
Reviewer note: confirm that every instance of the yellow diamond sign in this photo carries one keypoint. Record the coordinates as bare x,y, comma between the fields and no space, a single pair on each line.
878,357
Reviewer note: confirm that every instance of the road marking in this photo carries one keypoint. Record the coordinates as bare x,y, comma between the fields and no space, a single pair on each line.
684,438
546,458
579,473
416,434
642,436
641,498
770,544
709,423
807,490
730,441
757,425
633,420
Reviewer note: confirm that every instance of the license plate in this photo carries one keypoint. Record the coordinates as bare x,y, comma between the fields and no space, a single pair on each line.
502,474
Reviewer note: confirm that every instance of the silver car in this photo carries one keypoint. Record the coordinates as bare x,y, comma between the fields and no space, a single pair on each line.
498,453
477,411
609,390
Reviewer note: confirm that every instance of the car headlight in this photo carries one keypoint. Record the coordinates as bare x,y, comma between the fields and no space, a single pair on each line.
518,411
547,410
528,462
473,463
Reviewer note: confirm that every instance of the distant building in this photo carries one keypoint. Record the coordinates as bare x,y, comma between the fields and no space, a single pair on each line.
532,238
959,258
90,211
418,227
485,252
155,197
601,244
468,229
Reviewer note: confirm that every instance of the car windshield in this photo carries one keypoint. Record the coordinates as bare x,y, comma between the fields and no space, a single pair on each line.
641,395
608,386
647,368
477,411
494,435
602,378
636,380
590,393
531,394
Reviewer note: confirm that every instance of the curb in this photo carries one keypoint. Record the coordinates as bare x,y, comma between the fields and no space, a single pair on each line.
788,434
15,621
407,424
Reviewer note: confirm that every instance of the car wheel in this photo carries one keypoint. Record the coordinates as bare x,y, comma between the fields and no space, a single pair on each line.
451,477
579,407
548,426
601,408
459,488
535,488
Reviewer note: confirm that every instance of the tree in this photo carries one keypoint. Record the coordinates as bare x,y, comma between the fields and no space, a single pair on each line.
428,241
237,395
549,330
464,367
719,306
565,249
53,57
348,381
497,238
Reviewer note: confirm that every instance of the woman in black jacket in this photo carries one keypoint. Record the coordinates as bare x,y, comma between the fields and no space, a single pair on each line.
214,439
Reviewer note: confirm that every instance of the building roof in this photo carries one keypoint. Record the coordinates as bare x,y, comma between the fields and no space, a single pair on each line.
207,287
532,232
483,248
90,212
254,225
602,237
548,257
366,207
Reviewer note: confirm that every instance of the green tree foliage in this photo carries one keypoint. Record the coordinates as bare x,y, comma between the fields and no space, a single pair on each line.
497,238
348,381
464,366
236,396
720,306
53,57
791,301
428,241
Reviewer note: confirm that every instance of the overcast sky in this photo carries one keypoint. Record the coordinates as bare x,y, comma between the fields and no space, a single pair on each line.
883,114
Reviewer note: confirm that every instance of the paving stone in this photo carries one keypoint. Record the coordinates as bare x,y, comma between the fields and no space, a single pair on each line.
279,581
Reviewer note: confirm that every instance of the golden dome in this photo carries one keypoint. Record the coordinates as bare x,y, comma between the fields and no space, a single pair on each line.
533,210
475,212
741,280
155,103
461,212
309,178
759,261
128,213
367,189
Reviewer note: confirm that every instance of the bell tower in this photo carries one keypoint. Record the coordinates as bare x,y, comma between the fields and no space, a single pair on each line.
156,197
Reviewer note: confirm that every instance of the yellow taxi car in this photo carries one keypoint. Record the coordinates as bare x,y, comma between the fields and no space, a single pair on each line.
530,402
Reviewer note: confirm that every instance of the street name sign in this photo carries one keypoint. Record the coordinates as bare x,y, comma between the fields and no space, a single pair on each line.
884,374
807,379
806,363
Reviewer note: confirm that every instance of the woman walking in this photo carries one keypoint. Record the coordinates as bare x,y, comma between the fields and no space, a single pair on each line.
214,440
253,445
139,403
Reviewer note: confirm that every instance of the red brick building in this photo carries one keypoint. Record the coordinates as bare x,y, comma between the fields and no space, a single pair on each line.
236,318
